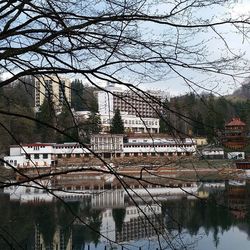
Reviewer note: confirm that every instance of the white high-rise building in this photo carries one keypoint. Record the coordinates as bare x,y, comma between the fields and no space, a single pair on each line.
58,89
139,111
140,104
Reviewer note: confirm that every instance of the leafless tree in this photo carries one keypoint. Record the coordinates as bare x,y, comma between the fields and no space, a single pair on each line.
126,42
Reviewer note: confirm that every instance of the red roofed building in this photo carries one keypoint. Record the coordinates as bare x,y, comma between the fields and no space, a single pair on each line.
235,135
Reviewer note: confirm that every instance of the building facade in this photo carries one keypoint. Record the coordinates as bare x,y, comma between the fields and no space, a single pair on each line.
235,134
133,124
42,155
158,145
139,104
212,153
107,143
139,110
54,88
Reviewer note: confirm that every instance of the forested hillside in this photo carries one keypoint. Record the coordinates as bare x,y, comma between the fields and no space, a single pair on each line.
18,98
202,115
190,114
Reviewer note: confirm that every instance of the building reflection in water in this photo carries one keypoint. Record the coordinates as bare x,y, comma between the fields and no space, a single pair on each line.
52,227
132,223
61,240
108,198
238,198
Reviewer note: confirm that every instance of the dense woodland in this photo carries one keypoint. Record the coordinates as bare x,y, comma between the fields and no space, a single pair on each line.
18,98
203,115
190,114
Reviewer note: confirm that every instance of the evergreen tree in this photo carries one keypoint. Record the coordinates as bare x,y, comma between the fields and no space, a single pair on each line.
67,125
46,114
165,118
198,125
221,113
164,128
95,123
77,95
82,97
91,126
209,126
117,126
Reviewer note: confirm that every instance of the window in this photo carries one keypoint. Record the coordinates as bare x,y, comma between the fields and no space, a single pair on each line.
27,156
45,156
36,156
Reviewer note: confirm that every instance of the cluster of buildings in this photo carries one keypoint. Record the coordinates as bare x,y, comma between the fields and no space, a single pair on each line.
139,110
235,134
140,114
234,138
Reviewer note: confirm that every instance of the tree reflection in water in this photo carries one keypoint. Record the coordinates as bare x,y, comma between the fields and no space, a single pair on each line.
51,225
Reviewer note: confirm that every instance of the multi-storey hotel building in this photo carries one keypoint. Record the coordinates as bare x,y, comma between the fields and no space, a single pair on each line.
139,111
130,102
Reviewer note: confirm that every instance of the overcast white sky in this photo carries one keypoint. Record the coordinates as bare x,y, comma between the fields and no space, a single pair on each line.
175,86
236,42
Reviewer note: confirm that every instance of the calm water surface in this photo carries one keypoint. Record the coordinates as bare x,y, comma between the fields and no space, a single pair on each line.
222,221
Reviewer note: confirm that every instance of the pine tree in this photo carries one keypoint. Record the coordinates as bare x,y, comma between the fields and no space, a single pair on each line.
77,95
95,122
46,114
90,126
67,125
83,97
198,125
117,126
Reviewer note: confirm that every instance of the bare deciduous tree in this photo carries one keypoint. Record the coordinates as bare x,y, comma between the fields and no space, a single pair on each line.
128,43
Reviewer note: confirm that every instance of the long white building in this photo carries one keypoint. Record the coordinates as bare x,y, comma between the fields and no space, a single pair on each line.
42,154
141,145
105,145
133,124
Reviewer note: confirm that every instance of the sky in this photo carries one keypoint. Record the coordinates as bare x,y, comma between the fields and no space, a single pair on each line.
224,85
236,42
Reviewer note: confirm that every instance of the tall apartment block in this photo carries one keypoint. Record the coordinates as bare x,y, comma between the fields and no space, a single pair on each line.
58,89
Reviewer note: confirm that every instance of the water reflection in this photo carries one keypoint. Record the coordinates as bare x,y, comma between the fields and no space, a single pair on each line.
109,217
